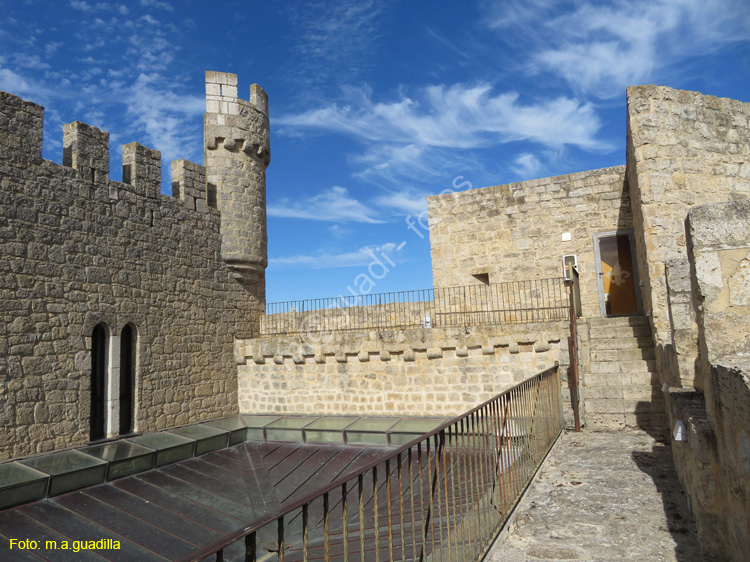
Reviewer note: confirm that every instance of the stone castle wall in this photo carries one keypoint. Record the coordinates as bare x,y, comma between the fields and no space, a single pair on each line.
78,249
514,232
439,371
713,462
684,149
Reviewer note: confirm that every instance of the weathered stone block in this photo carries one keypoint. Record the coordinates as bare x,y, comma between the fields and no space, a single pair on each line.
434,353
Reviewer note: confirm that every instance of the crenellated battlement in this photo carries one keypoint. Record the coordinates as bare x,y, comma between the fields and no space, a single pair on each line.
237,152
21,125
141,167
94,268
233,123
86,150
189,186
222,96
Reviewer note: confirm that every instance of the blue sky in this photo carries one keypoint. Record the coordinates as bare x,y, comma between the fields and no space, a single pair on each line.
374,104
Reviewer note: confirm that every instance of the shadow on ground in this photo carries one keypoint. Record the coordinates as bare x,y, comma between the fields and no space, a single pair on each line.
659,465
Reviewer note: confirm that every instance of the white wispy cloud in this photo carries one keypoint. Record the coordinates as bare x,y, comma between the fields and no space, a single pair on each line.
527,165
81,5
21,85
337,231
456,116
33,62
338,205
84,6
334,204
157,4
431,133
360,257
389,164
123,64
333,41
51,47
404,202
164,116
515,14
599,49
447,43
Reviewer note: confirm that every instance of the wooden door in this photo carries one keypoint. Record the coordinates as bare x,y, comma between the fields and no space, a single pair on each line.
618,278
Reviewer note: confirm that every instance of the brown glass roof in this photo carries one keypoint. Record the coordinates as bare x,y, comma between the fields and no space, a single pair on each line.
167,513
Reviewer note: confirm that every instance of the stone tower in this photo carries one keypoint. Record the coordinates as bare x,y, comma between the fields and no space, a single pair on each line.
237,153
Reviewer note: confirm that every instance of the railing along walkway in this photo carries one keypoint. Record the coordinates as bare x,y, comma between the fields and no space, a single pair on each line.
444,496
538,300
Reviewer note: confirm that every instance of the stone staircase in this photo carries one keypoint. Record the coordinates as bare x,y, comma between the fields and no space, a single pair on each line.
621,387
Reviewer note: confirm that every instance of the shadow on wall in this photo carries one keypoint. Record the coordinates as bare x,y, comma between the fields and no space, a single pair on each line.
650,415
659,465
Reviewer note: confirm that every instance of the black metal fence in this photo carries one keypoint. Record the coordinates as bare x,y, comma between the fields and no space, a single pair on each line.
538,300
444,496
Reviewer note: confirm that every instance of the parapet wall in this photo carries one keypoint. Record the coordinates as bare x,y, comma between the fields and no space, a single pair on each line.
719,251
713,461
78,250
439,371
684,149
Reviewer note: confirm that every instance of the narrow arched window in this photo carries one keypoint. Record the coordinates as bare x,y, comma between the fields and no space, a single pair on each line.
98,381
127,379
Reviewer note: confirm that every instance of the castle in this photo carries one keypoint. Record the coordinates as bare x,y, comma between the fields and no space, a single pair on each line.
126,310
123,304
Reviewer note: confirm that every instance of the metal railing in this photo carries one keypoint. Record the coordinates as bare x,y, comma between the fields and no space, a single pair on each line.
573,283
444,496
538,300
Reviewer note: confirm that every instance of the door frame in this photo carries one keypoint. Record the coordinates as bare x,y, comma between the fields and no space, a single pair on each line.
630,233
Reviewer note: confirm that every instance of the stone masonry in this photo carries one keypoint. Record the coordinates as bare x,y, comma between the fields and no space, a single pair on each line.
514,232
684,149
79,249
82,253
714,460
442,371
237,152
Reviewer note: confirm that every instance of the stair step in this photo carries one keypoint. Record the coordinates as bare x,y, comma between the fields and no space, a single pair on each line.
617,355
622,343
637,366
619,321
611,421
619,332
628,379
649,404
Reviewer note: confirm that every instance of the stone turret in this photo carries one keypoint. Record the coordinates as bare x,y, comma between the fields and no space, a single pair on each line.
237,152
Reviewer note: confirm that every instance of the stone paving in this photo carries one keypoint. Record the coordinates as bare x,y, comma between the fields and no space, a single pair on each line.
602,496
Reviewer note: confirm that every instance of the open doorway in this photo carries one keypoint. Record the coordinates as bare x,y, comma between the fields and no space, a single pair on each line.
617,273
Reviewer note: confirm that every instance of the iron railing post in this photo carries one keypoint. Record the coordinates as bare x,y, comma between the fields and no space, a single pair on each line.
470,474
462,306
573,350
